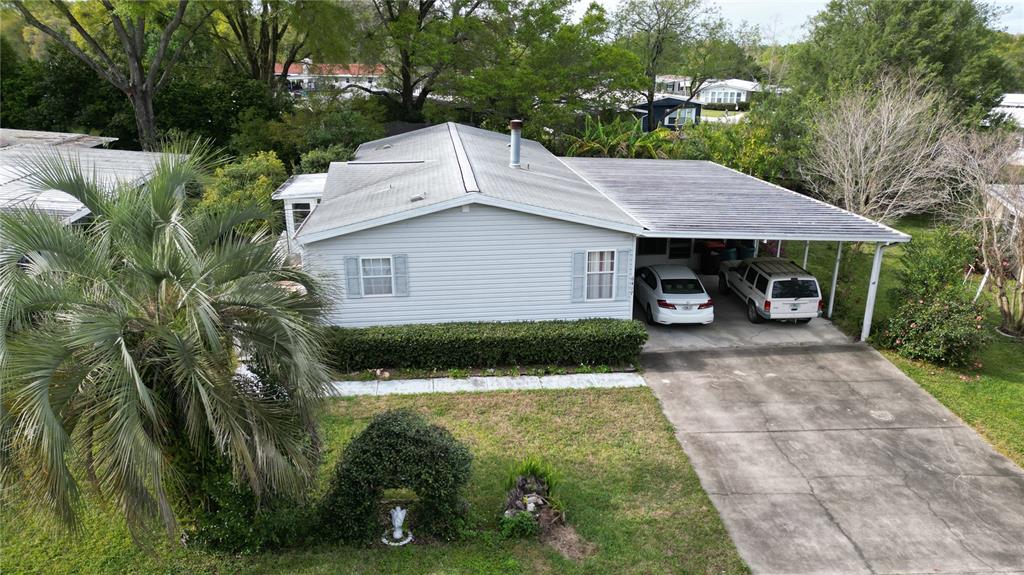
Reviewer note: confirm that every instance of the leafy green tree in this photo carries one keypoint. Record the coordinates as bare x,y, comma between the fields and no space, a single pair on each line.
950,43
533,63
121,340
655,30
1010,48
112,39
254,36
319,160
249,181
419,43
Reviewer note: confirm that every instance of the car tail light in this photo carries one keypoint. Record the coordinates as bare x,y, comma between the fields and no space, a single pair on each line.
707,304
767,305
665,305
821,305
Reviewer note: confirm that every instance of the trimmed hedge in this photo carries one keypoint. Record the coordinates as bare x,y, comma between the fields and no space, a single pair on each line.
480,345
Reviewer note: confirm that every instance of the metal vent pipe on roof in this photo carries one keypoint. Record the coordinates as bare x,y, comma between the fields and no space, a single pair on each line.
516,127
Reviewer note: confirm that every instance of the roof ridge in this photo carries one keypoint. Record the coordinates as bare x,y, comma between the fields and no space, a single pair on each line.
469,182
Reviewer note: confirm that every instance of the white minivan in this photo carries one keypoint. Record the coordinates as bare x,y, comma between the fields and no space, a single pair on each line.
670,294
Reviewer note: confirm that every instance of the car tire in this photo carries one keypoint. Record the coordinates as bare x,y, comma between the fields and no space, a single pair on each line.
752,314
648,315
723,285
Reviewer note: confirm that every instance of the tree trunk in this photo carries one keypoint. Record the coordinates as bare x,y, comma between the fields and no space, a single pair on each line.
145,119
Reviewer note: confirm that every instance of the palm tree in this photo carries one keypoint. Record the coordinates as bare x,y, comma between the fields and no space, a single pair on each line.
121,339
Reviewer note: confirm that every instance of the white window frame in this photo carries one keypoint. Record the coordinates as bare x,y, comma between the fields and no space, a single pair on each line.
363,276
587,273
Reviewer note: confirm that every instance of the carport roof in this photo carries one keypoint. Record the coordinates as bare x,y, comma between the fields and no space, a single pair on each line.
700,199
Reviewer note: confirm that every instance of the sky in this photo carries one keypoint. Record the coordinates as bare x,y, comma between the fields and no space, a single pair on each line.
783,20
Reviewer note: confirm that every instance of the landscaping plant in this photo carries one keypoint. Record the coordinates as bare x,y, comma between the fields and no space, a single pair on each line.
121,339
399,449
934,317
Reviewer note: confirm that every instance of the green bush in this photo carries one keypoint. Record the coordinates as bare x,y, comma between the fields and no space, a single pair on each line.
399,449
934,318
319,160
520,525
945,329
464,345
727,106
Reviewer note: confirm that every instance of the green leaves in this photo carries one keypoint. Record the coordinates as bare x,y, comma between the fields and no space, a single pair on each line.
121,338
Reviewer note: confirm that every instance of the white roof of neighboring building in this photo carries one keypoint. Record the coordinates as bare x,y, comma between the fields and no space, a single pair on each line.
450,165
12,137
1013,106
745,85
1012,100
1011,196
301,186
109,167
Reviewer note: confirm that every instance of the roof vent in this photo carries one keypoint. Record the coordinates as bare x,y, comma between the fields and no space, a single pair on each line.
418,198
516,127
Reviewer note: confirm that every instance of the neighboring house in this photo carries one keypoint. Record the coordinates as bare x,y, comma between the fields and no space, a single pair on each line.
1012,106
110,167
306,75
455,223
669,111
731,91
711,91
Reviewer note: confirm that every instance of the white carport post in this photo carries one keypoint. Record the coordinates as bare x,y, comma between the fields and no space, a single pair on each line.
807,252
778,249
835,278
757,246
869,306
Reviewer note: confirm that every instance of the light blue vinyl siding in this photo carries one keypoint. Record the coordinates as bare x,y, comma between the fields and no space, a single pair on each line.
487,264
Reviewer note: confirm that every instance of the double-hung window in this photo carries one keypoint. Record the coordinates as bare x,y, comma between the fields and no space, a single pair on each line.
600,275
378,277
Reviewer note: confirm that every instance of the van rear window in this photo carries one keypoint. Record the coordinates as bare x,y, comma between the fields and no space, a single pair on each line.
681,286
795,288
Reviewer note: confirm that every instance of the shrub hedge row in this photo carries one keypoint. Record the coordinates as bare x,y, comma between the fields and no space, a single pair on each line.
481,345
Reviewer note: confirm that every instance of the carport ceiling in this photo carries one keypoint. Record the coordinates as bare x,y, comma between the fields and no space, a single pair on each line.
699,199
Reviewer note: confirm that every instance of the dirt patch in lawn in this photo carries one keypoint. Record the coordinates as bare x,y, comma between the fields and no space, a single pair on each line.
564,539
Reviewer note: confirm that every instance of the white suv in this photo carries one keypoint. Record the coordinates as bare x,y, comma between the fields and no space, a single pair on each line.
773,288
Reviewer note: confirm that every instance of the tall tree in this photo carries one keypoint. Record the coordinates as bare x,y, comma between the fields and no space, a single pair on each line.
948,42
877,151
417,42
719,51
257,35
119,343
655,30
137,62
532,62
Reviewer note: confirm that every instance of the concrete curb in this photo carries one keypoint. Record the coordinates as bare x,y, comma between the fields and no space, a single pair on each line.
479,384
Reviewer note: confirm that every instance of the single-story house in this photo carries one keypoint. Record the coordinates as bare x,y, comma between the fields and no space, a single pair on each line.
669,111
731,91
456,223
110,167
307,75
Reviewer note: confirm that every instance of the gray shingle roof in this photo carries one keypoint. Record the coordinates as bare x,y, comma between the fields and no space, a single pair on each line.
447,165
699,199
110,167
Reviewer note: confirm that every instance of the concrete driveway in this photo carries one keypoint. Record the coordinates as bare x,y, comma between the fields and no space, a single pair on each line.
827,459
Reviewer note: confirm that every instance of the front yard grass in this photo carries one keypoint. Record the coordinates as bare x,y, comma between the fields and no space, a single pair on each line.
989,397
626,485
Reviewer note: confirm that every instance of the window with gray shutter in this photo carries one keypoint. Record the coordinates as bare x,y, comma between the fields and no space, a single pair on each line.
401,272
353,282
623,273
579,276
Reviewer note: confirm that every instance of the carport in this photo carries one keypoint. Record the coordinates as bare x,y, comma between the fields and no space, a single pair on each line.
698,200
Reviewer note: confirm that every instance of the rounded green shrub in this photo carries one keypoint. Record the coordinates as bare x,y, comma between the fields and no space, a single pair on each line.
399,449
945,329
520,525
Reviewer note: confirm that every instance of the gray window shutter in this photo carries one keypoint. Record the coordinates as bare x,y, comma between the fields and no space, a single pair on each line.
623,273
401,274
353,281
579,276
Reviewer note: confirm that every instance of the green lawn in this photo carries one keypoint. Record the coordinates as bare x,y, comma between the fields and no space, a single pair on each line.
990,397
627,488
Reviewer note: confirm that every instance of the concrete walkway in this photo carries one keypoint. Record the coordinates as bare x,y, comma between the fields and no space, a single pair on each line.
828,459
488,383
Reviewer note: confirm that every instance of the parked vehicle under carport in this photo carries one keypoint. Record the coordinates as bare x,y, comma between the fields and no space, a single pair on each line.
773,289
